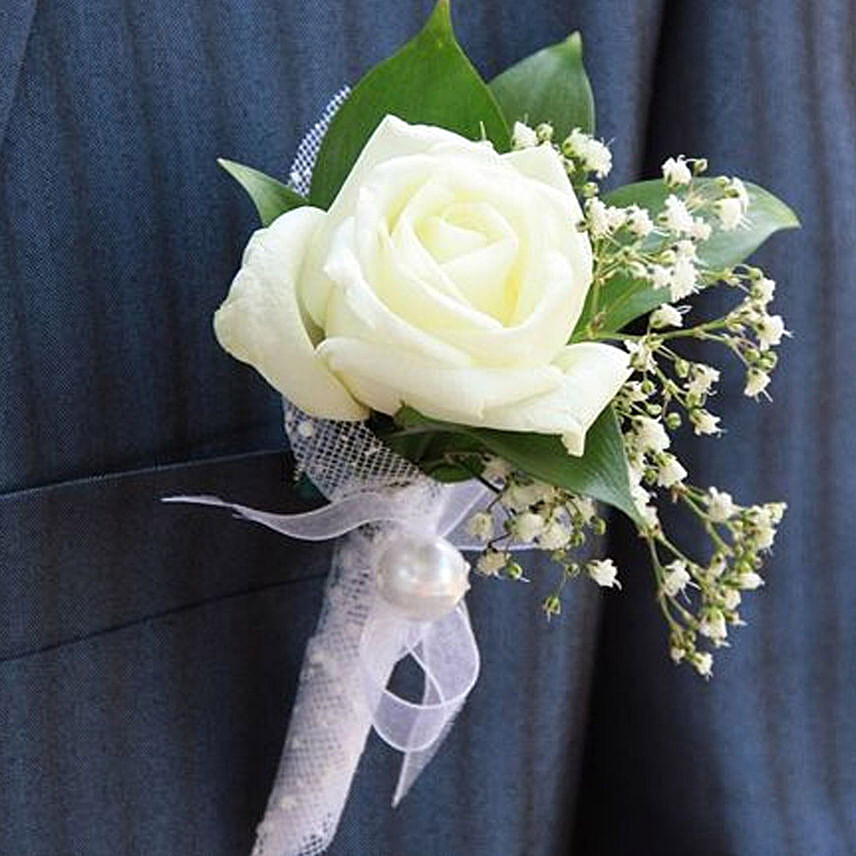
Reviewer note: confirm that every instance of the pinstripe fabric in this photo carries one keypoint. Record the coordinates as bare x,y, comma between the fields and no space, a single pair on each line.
148,654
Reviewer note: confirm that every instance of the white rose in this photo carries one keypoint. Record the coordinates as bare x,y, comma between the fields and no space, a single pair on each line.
444,276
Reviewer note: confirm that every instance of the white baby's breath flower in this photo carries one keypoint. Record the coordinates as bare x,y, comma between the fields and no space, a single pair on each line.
703,379
677,217
701,230
526,526
704,422
763,290
676,578
738,187
765,527
598,158
703,663
684,277
717,566
720,505
521,497
731,599
554,536
770,329
480,526
491,562
603,572
660,276
598,218
776,511
749,581
730,213
685,249
639,222
523,137
651,436
641,501
641,355
670,471
676,172
585,507
594,154
756,382
666,315
633,392
713,625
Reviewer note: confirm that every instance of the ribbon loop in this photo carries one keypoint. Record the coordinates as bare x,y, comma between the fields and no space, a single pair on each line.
447,653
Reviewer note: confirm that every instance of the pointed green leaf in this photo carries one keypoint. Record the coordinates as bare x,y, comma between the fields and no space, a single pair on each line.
271,197
622,299
549,86
601,473
428,81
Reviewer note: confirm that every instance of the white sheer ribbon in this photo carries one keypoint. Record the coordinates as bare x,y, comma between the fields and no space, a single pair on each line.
360,637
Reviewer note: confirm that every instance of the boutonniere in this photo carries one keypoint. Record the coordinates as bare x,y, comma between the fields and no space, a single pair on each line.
479,351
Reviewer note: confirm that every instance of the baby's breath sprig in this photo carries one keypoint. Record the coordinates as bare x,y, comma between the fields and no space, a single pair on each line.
525,511
698,595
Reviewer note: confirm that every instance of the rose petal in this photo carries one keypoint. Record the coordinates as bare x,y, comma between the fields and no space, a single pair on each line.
592,375
386,379
260,321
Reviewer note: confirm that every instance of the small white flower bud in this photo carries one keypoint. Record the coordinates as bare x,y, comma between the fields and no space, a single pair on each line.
603,572
480,526
523,137
713,625
720,505
491,562
677,217
704,422
526,526
670,471
554,536
703,663
750,581
666,315
676,578
770,329
756,382
639,222
730,213
676,172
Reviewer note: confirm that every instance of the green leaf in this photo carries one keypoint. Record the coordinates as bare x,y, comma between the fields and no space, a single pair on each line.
622,299
271,197
428,81
549,86
601,473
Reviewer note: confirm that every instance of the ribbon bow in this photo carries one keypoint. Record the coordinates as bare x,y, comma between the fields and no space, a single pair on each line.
349,660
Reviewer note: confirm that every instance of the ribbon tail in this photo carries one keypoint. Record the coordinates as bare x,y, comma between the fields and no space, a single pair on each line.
447,653
321,524
415,762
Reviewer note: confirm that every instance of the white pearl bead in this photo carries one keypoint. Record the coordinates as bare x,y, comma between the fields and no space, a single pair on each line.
423,577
